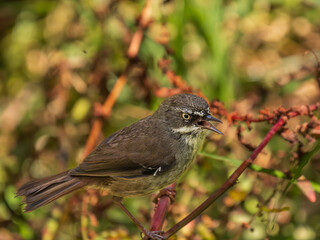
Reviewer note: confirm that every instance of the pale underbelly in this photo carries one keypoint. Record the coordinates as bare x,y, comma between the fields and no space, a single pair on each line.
129,187
144,185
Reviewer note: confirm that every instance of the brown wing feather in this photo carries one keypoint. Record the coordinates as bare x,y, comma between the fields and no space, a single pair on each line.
133,151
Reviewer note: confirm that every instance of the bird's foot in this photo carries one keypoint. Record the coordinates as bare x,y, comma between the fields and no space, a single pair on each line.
168,191
154,235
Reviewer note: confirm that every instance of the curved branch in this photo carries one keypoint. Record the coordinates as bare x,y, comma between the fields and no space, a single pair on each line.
229,183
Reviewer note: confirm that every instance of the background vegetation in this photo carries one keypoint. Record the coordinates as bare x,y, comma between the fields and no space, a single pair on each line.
59,58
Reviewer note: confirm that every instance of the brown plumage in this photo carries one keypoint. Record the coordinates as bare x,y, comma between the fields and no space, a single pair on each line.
136,160
43,191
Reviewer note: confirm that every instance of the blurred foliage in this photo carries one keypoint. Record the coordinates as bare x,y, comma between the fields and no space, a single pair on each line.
58,58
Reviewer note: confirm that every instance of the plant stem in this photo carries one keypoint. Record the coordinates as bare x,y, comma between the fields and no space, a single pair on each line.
229,183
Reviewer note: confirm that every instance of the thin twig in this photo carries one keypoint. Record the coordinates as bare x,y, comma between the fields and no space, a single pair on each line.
104,111
144,21
229,183
285,115
233,178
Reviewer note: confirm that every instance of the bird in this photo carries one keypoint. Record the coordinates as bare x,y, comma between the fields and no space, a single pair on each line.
137,160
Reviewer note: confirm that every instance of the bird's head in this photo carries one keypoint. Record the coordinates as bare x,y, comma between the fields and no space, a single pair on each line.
187,114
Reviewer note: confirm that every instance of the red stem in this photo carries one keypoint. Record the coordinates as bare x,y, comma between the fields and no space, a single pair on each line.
161,211
164,203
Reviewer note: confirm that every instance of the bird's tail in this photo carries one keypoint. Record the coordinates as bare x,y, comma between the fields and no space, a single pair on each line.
43,191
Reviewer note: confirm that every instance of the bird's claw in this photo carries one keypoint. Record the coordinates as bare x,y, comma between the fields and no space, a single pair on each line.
154,235
168,191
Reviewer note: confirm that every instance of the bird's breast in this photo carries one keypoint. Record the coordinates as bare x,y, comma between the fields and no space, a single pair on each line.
189,147
191,143
186,148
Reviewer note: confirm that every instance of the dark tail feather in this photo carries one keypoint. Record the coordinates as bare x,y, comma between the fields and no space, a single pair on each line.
43,191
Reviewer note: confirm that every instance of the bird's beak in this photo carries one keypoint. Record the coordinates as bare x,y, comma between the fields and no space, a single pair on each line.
205,123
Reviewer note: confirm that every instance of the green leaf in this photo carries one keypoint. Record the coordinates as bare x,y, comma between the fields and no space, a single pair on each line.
272,172
254,167
80,109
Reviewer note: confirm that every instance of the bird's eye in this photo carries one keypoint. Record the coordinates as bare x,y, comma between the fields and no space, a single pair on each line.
186,116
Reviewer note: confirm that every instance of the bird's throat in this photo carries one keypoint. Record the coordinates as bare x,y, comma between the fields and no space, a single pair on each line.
191,136
194,140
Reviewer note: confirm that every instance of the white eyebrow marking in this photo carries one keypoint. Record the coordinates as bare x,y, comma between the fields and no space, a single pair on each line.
184,110
201,114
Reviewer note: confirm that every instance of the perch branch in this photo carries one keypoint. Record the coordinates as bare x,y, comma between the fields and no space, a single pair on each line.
229,183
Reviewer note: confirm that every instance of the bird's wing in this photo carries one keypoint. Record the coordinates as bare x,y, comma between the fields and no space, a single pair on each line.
138,150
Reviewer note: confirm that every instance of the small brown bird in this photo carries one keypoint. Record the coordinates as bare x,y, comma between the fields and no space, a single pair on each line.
136,160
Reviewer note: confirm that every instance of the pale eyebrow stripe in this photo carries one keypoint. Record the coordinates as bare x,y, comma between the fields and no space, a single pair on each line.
184,110
199,113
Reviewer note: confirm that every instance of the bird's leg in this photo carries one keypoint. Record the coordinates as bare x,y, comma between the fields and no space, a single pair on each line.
168,191
156,235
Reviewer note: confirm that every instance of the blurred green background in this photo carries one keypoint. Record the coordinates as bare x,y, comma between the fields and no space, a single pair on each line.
58,58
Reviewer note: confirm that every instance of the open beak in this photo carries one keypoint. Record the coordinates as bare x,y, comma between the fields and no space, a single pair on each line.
205,123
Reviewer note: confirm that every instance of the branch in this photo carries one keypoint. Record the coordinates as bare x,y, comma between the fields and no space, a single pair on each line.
303,110
229,183
144,22
161,211
101,112
277,117
104,111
